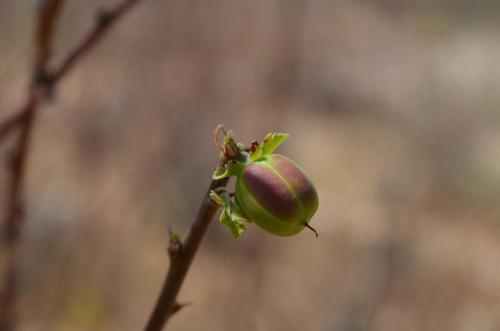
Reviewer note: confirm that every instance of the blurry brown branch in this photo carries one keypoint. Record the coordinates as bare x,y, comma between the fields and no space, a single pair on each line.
43,83
47,17
43,77
181,255
12,122
105,20
24,119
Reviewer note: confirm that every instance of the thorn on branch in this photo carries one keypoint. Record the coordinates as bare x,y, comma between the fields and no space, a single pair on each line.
178,306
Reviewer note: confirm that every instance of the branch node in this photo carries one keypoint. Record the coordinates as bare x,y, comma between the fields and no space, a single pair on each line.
104,17
174,244
180,260
44,80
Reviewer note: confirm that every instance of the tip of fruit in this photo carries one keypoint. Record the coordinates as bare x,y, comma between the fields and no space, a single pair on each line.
312,229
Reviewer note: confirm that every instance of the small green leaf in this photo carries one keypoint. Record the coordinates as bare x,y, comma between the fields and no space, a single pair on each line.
219,173
217,199
272,142
232,216
228,170
234,220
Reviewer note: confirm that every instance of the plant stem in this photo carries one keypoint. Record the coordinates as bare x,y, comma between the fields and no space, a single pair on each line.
181,255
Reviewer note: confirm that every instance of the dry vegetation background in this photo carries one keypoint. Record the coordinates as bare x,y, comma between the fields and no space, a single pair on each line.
393,110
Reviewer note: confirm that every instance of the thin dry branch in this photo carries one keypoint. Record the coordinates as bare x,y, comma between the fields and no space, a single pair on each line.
47,16
13,221
105,20
181,256
47,79
43,83
12,122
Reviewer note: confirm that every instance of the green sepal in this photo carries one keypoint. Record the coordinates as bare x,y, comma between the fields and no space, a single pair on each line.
257,153
231,144
269,145
232,216
229,169
272,142
234,220
229,138
217,199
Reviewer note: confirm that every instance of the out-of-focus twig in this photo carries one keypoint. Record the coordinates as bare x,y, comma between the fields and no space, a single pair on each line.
43,76
9,124
105,19
43,83
181,255
14,216
47,16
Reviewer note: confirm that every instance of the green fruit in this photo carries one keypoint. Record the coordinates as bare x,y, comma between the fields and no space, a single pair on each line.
274,192
271,190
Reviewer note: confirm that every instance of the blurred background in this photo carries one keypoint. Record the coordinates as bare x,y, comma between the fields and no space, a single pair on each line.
393,111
